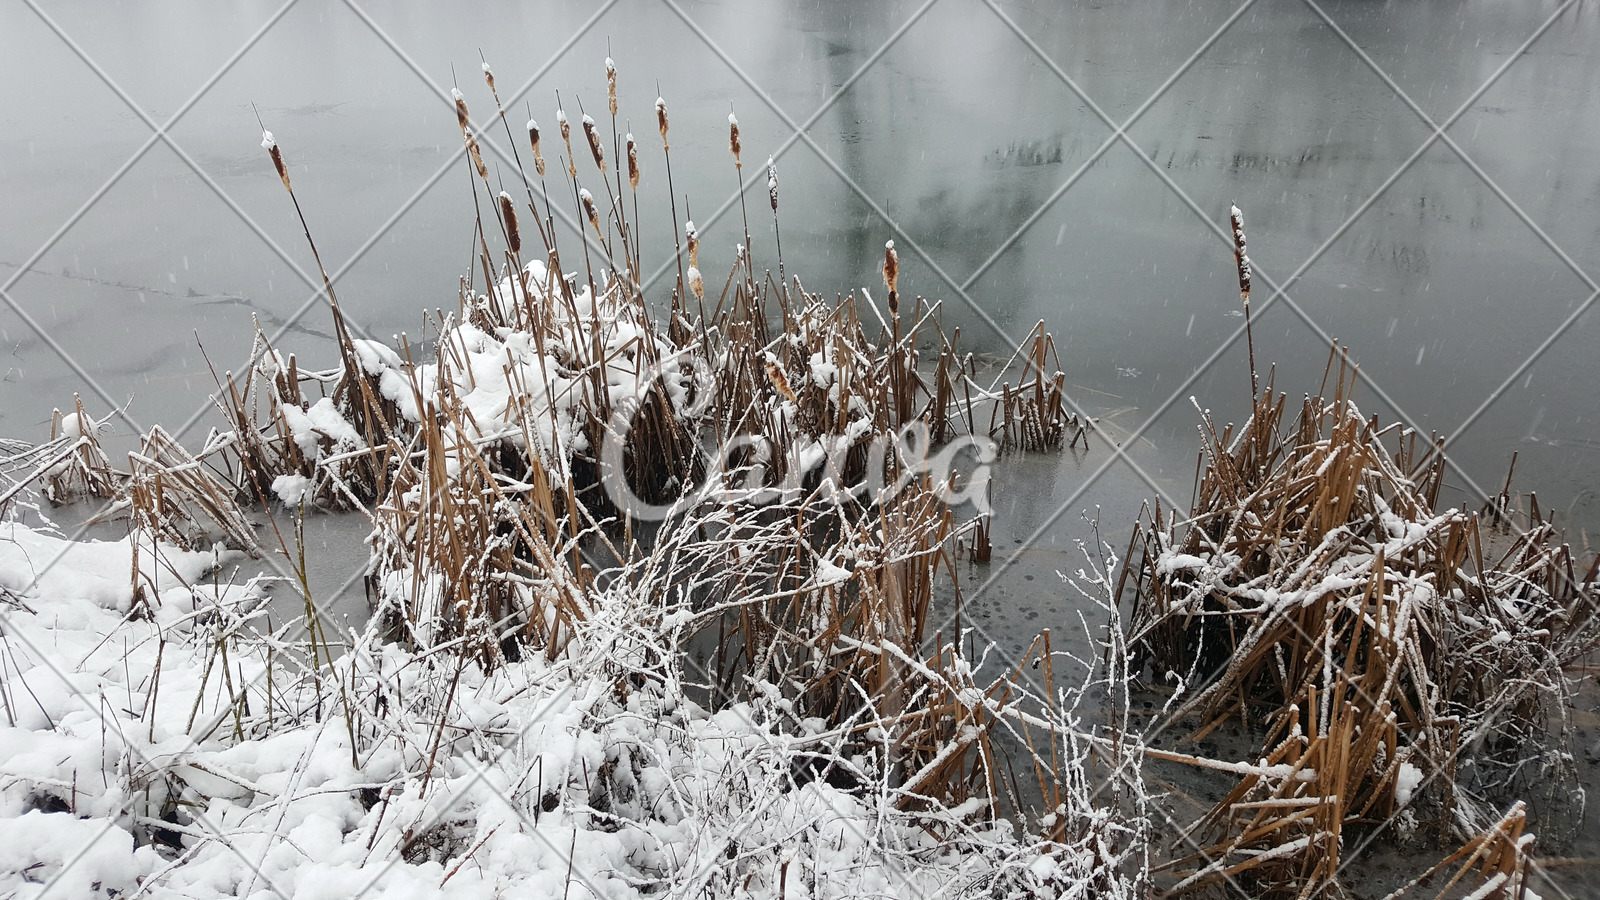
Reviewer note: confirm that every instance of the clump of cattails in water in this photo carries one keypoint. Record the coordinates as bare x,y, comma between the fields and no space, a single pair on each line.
1316,593
499,531
839,383
546,505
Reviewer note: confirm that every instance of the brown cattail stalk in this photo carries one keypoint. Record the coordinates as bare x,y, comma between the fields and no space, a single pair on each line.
270,144
611,85
508,212
1242,260
500,112
461,109
781,382
777,237
666,151
891,276
566,138
594,142
477,157
736,146
633,163
590,211
1240,257
633,185
772,184
533,138
696,283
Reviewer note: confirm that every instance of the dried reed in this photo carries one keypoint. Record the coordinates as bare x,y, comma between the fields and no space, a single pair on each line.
1314,590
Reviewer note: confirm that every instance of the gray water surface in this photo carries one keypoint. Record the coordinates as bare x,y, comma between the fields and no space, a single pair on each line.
959,136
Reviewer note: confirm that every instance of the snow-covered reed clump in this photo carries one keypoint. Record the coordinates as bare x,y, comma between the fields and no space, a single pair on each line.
654,593
188,754
1399,673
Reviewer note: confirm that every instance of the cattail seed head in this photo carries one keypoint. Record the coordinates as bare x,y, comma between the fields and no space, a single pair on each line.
611,85
477,157
488,75
533,138
661,120
508,212
566,138
696,283
780,381
461,108
594,142
772,184
1240,257
270,144
633,163
733,140
692,237
590,211
891,276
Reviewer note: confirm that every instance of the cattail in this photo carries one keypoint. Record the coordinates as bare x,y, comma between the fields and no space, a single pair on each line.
508,211
477,158
772,184
661,120
270,144
590,211
611,85
780,381
633,163
488,75
1242,259
1240,256
696,283
533,138
461,108
566,138
733,141
891,276
594,142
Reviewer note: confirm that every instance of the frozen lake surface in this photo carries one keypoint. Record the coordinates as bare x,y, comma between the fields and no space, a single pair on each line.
1458,266
966,144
